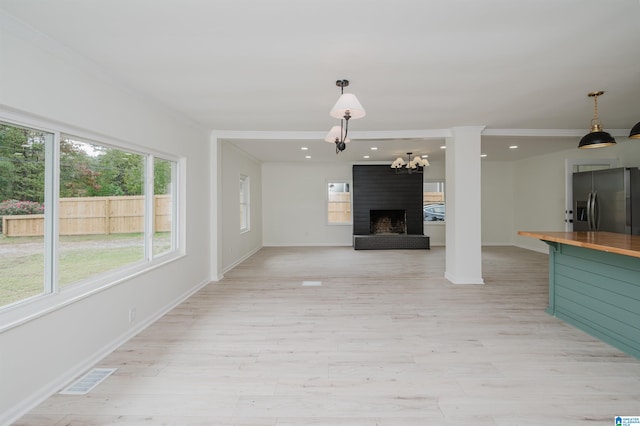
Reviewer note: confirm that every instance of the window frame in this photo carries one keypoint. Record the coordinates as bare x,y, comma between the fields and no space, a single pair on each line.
53,297
444,202
327,201
245,201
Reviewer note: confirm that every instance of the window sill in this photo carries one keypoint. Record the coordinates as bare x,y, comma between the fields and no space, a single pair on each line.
30,309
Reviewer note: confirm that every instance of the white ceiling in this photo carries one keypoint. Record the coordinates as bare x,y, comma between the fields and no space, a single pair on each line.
254,66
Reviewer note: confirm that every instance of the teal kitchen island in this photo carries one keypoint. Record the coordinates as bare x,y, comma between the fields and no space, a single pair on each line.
594,284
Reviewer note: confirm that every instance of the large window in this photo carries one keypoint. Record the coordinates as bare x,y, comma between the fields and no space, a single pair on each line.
338,203
102,209
22,208
433,205
164,172
245,197
75,211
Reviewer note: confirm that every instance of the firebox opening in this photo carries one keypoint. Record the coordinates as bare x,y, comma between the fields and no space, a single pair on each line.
387,222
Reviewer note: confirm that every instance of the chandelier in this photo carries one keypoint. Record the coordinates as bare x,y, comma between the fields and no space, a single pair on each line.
416,165
348,107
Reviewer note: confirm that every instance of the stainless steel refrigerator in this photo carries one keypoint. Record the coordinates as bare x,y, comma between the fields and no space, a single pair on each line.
607,200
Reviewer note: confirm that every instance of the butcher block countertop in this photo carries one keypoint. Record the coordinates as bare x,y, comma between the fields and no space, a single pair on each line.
628,245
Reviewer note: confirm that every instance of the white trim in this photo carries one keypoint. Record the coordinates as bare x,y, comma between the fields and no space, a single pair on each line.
215,207
408,134
311,244
33,308
549,132
63,379
245,194
463,280
369,135
242,259
149,206
52,200
26,119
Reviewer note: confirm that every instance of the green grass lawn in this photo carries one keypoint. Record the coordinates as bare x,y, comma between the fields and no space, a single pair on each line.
20,277
22,260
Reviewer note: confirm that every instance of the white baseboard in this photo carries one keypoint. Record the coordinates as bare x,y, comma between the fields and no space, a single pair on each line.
242,259
544,250
349,244
12,415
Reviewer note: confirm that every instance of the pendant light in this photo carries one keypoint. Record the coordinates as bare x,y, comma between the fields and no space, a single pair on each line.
596,138
348,107
635,131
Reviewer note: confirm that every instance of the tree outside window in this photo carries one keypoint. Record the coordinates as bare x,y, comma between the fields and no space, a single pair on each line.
109,215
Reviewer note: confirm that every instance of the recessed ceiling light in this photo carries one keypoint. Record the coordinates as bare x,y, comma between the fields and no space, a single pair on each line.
304,148
483,155
443,147
425,156
513,147
307,156
366,156
374,148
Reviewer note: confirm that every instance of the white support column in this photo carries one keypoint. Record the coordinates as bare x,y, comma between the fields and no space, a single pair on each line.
215,239
463,251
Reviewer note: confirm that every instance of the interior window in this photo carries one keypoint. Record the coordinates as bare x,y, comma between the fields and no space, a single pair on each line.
338,203
244,203
433,204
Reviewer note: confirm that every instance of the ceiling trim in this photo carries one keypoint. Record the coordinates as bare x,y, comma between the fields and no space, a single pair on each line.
548,132
406,134
382,134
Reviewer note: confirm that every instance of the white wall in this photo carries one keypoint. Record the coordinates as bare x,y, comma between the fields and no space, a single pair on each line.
497,203
294,204
237,246
294,209
40,78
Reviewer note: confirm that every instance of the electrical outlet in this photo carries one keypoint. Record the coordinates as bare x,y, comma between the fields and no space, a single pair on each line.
132,314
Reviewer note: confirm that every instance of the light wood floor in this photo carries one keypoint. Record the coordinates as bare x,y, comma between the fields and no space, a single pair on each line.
385,341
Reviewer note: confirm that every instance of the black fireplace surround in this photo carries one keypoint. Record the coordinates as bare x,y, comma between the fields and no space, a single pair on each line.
379,192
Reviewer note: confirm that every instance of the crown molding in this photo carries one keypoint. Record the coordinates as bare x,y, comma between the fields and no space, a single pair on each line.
546,133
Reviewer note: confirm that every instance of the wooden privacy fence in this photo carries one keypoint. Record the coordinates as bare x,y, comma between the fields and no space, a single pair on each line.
432,197
340,204
339,207
94,215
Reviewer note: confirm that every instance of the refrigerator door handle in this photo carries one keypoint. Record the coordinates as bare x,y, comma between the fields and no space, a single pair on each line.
594,211
589,200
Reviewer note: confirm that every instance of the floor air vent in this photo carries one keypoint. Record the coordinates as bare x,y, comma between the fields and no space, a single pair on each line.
311,283
89,381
